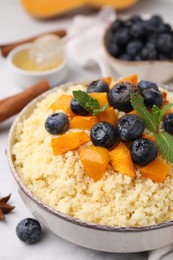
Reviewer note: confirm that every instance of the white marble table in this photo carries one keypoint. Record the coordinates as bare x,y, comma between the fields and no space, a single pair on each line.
16,24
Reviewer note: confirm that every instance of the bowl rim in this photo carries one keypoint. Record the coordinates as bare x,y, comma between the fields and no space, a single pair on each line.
131,63
18,70
44,206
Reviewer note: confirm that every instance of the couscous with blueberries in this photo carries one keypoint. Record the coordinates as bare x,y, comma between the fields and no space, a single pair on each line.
93,153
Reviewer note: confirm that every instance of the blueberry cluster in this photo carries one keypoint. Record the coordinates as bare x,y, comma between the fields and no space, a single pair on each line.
136,39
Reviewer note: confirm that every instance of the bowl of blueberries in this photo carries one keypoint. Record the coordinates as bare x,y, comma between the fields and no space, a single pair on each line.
141,45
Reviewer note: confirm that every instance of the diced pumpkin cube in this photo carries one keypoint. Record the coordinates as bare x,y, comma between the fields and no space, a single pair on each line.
108,80
134,112
121,160
109,115
83,122
150,137
157,170
164,95
101,97
68,142
132,79
94,160
63,103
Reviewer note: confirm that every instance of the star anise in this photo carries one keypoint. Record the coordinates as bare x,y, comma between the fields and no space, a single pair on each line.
5,207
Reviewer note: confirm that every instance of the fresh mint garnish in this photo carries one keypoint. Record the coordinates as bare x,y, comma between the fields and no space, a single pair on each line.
88,103
165,144
152,122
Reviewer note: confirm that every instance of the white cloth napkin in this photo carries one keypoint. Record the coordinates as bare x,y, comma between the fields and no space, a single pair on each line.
84,44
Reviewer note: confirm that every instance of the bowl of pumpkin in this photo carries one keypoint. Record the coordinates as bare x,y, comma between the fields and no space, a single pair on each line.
142,45
93,163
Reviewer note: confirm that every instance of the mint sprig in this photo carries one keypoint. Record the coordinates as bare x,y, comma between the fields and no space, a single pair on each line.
152,122
88,103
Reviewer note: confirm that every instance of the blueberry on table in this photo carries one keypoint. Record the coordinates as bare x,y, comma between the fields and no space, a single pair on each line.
130,127
143,151
152,97
168,123
57,123
145,84
77,108
119,96
103,134
29,230
98,86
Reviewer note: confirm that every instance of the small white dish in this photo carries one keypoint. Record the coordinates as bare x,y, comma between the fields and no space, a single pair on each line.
26,78
155,70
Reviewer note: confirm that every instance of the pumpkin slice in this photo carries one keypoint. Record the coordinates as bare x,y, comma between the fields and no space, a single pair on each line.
108,80
83,122
102,98
150,137
121,160
134,112
94,160
132,79
164,95
109,115
63,103
157,170
68,142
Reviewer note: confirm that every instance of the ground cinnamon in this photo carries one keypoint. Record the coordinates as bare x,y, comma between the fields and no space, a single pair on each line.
14,104
5,49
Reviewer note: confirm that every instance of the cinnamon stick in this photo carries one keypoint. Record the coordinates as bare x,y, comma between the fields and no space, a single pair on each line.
5,49
14,104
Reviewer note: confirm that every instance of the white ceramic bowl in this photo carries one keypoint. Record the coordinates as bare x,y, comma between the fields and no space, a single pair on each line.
98,237
26,78
157,71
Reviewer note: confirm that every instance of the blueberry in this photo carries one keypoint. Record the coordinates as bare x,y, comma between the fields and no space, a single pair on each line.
57,123
119,96
137,30
164,28
117,24
103,134
150,28
152,97
168,123
98,86
130,127
137,57
164,56
77,108
143,151
122,36
125,57
136,18
156,20
149,52
145,84
113,49
134,47
29,230
165,43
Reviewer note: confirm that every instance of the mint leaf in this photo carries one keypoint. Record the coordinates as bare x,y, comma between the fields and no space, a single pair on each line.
156,113
164,109
88,103
97,111
165,144
82,97
137,102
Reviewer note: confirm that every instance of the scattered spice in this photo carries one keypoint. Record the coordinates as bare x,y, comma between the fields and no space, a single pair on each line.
5,207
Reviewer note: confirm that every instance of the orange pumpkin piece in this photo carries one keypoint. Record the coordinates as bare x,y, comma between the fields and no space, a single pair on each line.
134,112
68,142
164,95
94,160
132,79
109,115
157,170
63,103
121,160
108,80
83,122
150,137
102,98
169,110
